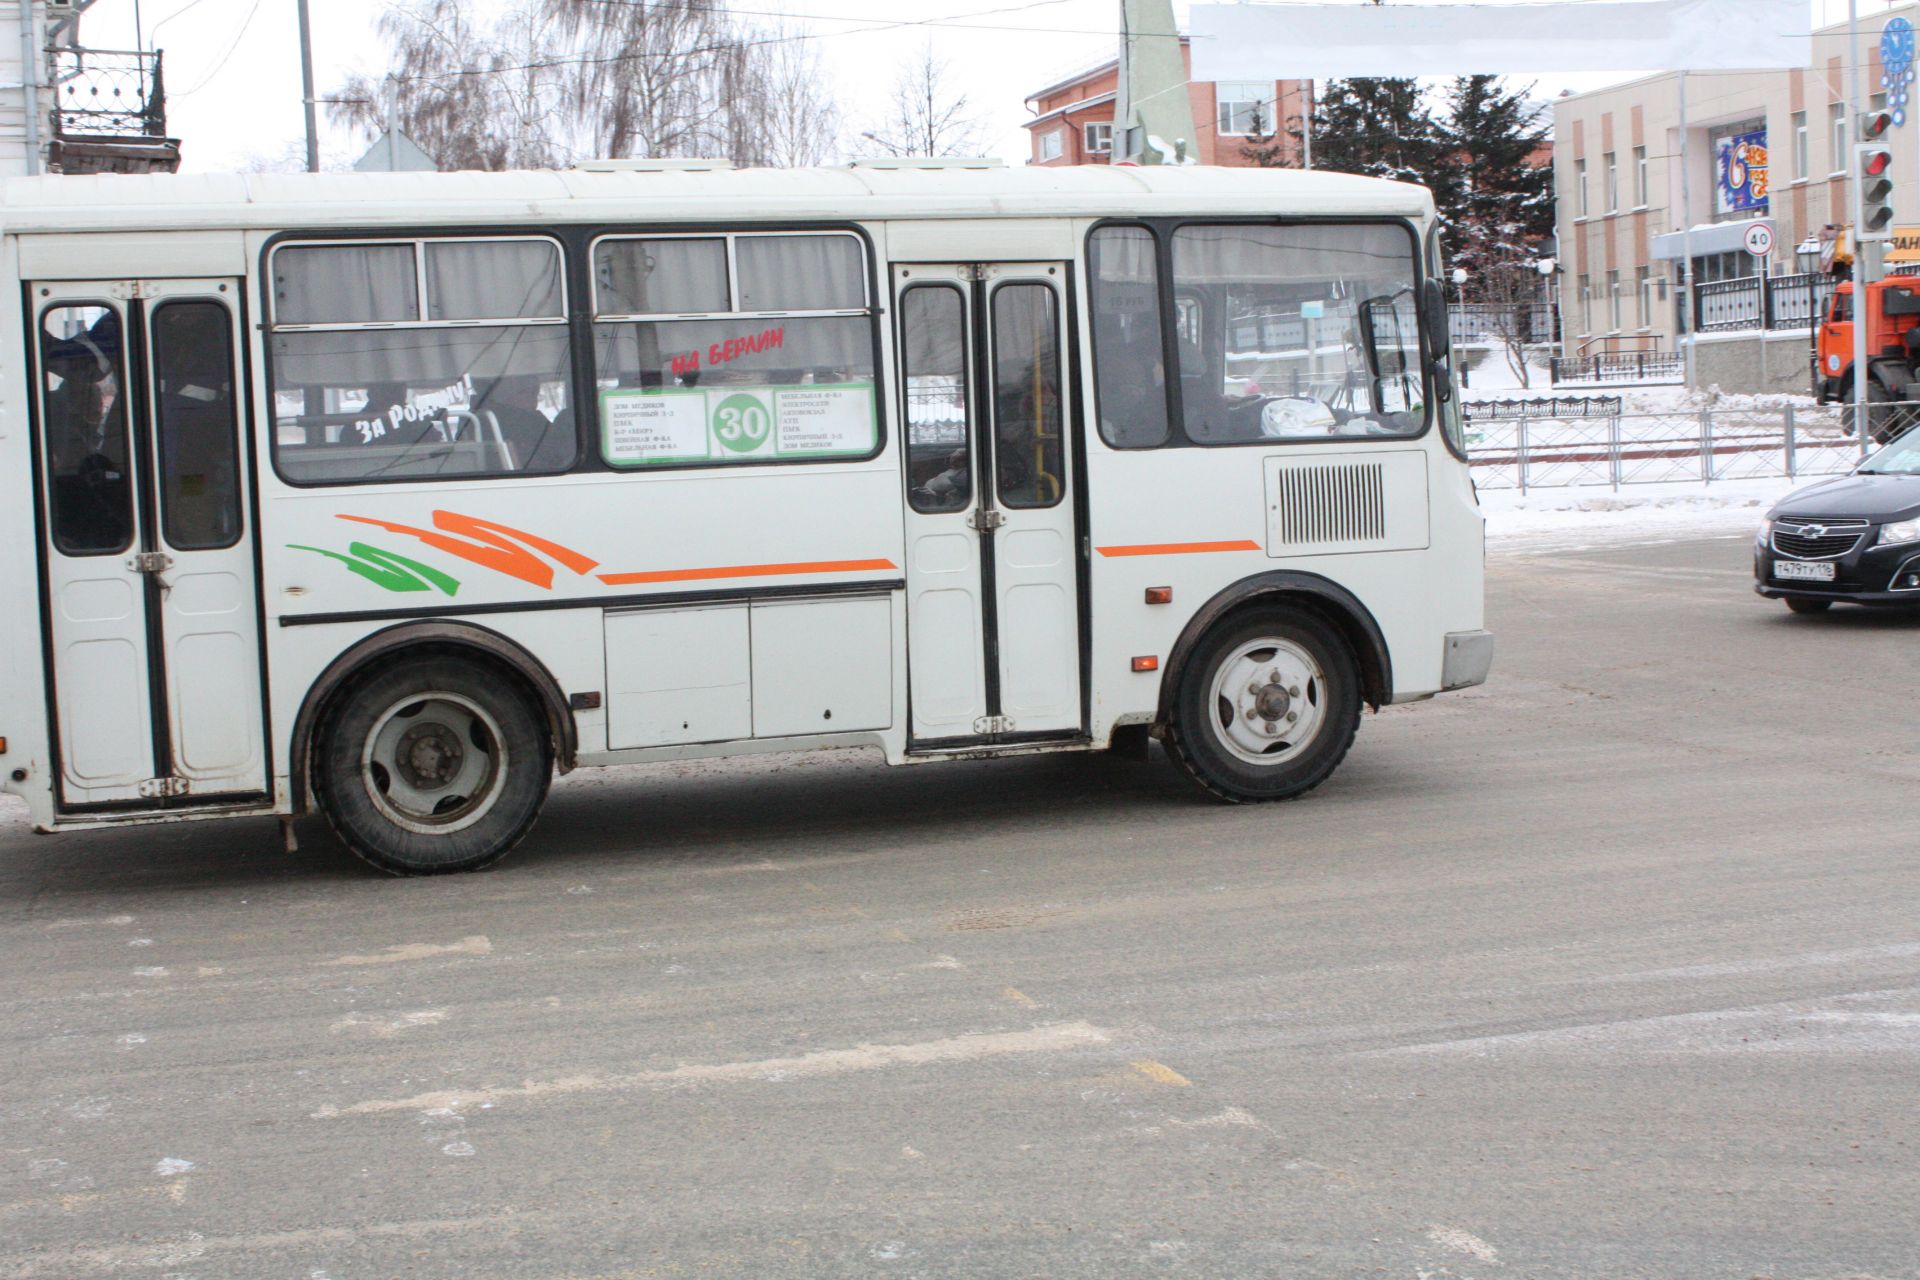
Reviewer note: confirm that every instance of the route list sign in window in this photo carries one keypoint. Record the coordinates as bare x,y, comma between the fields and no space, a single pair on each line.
648,427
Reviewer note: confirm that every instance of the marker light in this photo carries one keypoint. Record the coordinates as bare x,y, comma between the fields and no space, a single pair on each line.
1147,663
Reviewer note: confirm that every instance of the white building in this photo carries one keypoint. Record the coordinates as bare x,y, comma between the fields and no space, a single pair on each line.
65,108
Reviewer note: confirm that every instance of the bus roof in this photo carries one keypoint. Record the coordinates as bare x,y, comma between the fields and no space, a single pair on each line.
196,201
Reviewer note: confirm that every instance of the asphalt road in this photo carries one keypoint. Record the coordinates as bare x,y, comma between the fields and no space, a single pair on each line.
1610,968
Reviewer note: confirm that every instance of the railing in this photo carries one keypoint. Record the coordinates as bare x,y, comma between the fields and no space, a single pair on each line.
1702,446
1618,366
1542,407
1756,302
108,93
1473,323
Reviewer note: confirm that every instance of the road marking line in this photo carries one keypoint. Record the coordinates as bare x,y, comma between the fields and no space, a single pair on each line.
828,1062
1160,1073
477,945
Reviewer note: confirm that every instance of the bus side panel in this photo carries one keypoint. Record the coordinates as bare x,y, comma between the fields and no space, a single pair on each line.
23,694
1196,520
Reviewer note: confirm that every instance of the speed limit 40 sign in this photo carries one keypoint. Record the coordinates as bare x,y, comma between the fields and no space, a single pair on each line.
1759,239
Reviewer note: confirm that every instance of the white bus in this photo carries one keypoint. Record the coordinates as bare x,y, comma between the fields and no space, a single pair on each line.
391,495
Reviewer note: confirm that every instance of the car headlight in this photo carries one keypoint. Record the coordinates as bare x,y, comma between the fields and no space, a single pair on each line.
1903,531
1766,530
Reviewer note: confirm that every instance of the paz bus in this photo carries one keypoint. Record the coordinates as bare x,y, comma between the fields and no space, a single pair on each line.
390,496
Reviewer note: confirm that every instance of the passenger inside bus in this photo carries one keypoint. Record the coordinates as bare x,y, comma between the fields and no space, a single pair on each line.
87,437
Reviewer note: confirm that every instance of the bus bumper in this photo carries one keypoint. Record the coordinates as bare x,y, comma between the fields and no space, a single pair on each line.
1469,658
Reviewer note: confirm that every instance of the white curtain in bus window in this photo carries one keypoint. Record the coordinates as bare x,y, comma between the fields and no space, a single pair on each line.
1028,466
660,277
84,425
1129,363
443,396
344,284
791,380
800,273
493,280
1297,332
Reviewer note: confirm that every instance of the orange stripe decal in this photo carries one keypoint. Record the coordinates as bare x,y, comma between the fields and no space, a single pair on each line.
1179,548
745,571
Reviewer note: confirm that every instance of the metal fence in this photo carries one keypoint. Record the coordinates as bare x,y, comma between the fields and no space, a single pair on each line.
1706,445
1760,302
1543,407
1619,366
1474,323
108,92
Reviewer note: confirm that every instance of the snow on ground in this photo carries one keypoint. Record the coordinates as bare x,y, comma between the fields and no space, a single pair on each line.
1568,519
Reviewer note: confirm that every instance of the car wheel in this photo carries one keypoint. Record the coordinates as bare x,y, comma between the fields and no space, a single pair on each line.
1266,707
1808,606
434,765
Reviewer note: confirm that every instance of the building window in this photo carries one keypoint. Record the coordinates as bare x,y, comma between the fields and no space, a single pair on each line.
1099,137
1580,187
1613,183
1643,289
1837,122
1639,177
1800,158
1613,300
1245,106
1586,305
1052,143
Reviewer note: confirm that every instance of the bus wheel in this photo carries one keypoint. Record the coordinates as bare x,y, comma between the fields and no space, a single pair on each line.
435,765
1267,705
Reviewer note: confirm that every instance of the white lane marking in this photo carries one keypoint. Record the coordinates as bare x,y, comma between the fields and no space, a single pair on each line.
384,1026
826,1062
1463,1242
1763,964
1835,1024
477,945
173,1166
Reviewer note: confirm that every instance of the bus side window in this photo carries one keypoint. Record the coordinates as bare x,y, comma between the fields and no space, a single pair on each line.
84,422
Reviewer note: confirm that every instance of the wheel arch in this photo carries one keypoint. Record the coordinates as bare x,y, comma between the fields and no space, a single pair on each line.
1320,596
435,636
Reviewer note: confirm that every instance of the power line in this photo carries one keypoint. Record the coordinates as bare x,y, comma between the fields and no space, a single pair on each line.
220,65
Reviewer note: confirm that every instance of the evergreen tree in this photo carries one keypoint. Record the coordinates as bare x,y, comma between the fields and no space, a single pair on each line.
1496,199
1377,127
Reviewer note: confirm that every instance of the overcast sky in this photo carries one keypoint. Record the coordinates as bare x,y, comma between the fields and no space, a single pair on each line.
233,66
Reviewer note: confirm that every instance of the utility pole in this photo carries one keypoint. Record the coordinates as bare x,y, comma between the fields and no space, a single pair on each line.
306,88
1862,268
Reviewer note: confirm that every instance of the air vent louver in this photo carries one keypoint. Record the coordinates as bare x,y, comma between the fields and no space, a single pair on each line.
1328,502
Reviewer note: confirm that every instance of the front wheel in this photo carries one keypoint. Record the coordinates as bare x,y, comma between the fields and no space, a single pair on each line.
435,764
1266,707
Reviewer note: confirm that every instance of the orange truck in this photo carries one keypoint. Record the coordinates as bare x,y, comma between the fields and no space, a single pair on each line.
1893,353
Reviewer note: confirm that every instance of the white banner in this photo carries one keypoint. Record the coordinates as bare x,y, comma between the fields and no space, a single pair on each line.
1321,41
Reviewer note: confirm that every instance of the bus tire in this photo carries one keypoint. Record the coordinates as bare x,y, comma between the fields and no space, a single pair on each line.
1266,707
436,764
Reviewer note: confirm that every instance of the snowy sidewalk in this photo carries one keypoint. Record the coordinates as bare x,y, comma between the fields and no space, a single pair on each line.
1565,519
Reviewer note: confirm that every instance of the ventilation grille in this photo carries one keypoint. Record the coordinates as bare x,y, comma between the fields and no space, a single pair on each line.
1340,502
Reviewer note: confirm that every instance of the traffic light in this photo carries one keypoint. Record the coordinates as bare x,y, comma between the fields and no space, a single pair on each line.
1871,160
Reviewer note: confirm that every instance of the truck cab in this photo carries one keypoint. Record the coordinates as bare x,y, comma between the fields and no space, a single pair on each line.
1893,349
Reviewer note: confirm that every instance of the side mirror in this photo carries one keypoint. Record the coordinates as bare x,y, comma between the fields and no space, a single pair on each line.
1439,321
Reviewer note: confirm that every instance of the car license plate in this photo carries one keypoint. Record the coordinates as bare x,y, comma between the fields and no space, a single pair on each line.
1807,570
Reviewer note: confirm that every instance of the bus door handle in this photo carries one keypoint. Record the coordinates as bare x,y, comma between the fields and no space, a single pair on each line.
985,520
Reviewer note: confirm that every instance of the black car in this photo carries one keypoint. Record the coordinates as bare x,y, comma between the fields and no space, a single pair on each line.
1854,539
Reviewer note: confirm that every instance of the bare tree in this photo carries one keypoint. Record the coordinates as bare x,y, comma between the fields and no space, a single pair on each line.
1506,287
553,80
925,117
472,98
799,120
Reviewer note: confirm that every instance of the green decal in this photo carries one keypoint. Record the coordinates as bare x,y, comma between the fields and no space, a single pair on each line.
384,568
742,422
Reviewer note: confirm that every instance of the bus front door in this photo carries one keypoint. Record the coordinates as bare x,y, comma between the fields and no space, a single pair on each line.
993,577
150,590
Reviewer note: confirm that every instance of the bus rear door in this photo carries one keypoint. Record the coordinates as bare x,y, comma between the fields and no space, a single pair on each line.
149,581
993,573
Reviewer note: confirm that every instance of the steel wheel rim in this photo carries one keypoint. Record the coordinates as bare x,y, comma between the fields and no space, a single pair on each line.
1268,701
434,763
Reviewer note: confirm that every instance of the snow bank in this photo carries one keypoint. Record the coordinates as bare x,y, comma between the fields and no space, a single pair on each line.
1563,519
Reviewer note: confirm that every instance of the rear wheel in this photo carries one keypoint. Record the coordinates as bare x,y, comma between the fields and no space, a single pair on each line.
434,765
1266,707
1808,606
